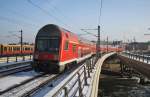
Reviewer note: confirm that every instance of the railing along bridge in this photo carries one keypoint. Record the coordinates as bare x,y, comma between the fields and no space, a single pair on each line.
83,82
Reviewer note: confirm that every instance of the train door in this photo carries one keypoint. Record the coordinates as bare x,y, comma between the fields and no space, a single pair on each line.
74,50
0,50
79,52
4,50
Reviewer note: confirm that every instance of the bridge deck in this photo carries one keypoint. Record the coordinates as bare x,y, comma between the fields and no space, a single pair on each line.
140,66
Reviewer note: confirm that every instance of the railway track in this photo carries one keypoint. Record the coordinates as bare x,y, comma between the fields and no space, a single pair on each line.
21,83
14,68
33,85
29,86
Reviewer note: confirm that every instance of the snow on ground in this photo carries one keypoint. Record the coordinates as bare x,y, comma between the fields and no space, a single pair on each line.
50,86
17,78
23,89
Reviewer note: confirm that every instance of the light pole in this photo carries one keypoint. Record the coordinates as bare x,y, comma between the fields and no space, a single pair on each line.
98,48
21,38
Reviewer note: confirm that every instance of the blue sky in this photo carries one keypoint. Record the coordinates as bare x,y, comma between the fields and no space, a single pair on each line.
121,19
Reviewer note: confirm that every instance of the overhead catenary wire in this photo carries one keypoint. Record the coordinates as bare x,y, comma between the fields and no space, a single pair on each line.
99,23
56,18
48,13
25,17
89,32
57,10
14,21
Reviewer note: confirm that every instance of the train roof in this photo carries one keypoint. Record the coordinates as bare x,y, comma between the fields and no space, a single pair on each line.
45,31
56,32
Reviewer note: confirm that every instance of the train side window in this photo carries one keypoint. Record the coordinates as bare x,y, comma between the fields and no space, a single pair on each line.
5,48
18,48
66,45
25,49
74,48
15,48
1,49
9,48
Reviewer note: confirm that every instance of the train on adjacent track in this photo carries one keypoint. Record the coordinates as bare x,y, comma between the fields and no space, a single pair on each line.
15,49
56,48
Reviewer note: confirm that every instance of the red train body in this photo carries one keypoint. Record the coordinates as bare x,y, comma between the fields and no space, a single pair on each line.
56,48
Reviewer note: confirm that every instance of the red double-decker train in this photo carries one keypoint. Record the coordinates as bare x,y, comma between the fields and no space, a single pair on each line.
56,48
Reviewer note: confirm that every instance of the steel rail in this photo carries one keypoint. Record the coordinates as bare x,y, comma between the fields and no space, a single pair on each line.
10,65
34,90
18,85
17,69
14,68
28,87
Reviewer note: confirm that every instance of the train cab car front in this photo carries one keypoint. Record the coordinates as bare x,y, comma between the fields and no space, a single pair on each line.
47,49
46,62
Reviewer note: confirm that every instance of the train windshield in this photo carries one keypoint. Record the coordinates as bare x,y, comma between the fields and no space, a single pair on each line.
48,44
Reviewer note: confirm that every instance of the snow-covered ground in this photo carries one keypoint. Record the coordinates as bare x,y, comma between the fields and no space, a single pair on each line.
17,78
24,89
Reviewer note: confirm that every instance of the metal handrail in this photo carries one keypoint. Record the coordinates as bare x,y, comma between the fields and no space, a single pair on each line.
80,81
75,84
139,57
